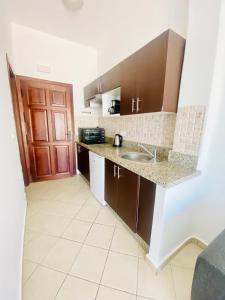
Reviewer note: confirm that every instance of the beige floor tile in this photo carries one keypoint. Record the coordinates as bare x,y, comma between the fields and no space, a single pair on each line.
30,235
123,242
183,281
77,230
60,208
100,236
121,272
43,284
106,217
152,285
28,269
88,213
106,293
186,257
49,223
77,289
62,255
90,263
37,249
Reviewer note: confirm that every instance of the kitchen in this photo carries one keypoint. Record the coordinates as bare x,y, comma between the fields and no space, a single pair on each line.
114,145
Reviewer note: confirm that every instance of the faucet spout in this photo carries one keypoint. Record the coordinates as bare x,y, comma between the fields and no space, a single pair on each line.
152,153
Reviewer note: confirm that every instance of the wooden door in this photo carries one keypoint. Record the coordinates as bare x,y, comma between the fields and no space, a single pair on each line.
151,70
48,113
83,161
146,209
111,79
128,188
111,184
128,86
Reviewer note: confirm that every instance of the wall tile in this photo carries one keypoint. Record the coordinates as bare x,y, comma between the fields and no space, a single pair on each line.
188,131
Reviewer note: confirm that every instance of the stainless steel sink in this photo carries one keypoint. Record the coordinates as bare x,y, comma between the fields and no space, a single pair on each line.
138,157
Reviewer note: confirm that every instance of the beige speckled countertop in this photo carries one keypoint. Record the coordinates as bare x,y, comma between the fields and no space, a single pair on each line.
165,174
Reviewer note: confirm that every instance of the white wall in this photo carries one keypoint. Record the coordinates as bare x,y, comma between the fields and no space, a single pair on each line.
196,208
141,23
12,196
69,62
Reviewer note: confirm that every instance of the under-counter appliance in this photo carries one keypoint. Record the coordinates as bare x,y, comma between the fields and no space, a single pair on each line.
93,135
118,140
115,108
97,176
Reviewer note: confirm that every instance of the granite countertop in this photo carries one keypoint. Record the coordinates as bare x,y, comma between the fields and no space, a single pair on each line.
165,173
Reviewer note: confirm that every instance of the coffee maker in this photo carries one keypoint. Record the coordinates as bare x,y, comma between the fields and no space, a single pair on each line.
115,108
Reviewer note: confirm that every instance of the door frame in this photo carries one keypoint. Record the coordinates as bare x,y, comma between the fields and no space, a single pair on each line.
20,121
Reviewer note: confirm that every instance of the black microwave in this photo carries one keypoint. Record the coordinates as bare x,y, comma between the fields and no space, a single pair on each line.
94,135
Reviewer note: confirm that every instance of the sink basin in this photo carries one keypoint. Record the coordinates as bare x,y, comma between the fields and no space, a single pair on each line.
138,157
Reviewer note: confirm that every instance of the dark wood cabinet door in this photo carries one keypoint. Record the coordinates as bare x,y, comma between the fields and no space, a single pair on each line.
128,86
83,161
151,72
48,114
111,184
146,209
111,79
128,187
91,90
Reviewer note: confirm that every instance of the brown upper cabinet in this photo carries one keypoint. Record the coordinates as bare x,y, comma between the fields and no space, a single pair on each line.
111,79
149,78
91,90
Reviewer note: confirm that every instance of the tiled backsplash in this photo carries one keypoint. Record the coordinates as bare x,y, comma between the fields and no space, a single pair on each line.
153,128
85,121
188,131
182,132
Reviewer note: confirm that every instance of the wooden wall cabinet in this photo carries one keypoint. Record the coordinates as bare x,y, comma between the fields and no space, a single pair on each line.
91,90
83,161
150,78
111,79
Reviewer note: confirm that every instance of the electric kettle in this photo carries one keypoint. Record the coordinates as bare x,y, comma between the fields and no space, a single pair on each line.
118,140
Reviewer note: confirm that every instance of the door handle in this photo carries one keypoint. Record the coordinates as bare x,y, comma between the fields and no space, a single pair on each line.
69,136
133,103
118,172
138,101
114,171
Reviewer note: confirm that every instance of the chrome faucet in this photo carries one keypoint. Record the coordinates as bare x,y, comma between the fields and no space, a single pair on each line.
152,153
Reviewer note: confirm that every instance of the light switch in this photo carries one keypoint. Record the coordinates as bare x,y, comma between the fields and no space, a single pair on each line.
43,69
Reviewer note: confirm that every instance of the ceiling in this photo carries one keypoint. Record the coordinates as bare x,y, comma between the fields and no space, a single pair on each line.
94,23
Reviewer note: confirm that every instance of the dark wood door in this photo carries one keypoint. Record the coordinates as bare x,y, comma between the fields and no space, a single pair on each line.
128,188
48,113
128,86
146,209
151,71
111,184
83,161
111,79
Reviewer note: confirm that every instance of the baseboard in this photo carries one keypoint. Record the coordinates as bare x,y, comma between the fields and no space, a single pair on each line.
165,261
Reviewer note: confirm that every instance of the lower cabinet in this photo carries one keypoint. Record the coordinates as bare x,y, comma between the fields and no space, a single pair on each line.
146,209
132,197
127,208
83,161
111,184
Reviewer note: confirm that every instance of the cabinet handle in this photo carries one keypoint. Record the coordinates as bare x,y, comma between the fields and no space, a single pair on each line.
114,171
133,103
118,173
138,101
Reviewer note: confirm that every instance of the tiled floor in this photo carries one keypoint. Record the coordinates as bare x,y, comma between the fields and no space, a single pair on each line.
75,249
